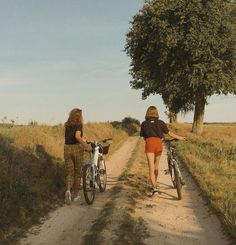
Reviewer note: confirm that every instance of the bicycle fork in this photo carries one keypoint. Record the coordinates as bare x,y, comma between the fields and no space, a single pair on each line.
173,166
179,173
94,163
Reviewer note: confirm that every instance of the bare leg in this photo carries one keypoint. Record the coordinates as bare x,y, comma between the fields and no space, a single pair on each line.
156,166
150,159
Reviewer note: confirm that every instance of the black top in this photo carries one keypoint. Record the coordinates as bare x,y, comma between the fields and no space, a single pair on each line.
70,134
153,128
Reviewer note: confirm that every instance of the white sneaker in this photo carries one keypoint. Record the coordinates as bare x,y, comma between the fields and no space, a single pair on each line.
155,191
77,198
68,197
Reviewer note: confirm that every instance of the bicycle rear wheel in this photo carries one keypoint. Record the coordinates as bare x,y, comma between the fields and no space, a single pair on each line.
102,174
88,184
178,182
171,171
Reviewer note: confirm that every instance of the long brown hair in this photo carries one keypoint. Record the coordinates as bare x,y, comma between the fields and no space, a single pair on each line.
151,112
75,118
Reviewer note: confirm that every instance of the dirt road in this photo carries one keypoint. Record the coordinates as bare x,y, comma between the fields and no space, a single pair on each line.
188,221
68,224
168,220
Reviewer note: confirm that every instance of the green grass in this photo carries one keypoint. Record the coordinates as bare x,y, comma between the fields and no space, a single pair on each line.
211,158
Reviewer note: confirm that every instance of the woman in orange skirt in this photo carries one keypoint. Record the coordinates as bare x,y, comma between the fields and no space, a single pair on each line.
153,130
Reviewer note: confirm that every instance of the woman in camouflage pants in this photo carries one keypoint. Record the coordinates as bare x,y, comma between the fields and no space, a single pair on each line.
73,153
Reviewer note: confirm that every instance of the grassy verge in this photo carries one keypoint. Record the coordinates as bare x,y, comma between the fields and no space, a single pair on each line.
117,223
32,174
211,158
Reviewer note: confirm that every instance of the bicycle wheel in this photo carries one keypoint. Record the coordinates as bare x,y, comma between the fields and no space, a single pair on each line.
171,171
102,175
178,182
88,184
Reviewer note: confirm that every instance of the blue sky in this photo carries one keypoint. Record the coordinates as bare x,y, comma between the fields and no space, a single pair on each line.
61,54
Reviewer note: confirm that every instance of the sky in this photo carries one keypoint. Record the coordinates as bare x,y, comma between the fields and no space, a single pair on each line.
57,55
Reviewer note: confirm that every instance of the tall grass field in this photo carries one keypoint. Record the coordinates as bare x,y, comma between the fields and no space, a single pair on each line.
32,171
211,158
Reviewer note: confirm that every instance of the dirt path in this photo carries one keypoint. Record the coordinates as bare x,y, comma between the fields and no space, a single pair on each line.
188,221
125,212
68,224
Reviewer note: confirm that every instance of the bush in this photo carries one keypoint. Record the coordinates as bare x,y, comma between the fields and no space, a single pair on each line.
129,124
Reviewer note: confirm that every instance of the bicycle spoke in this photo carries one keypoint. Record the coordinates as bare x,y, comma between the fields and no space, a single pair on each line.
88,185
102,175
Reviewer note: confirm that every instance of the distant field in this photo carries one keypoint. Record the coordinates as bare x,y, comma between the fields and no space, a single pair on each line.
211,158
32,174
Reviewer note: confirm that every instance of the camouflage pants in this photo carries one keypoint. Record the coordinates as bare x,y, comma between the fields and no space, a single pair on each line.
73,155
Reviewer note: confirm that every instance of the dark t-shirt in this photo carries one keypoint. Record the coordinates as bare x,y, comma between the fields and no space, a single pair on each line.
153,128
70,134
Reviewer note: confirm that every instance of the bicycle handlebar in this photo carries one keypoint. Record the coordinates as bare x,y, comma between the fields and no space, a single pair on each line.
101,141
107,139
169,145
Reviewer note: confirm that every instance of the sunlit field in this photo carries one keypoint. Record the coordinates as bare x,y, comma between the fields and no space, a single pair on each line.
32,173
211,158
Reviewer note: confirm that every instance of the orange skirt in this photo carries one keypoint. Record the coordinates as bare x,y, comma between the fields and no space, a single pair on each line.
153,145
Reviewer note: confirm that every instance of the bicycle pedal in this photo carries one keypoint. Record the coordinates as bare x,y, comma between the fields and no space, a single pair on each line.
182,182
166,172
102,171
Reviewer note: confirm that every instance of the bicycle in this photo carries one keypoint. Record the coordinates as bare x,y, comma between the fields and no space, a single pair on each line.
94,170
173,168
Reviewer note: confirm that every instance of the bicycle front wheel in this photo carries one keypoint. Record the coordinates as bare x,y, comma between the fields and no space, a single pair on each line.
171,171
88,184
178,182
102,174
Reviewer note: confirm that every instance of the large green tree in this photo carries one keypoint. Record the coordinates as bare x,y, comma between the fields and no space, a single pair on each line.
182,50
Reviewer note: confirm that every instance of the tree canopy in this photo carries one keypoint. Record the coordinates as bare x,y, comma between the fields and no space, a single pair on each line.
182,50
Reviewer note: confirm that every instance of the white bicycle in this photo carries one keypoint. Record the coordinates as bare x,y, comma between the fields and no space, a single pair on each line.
94,170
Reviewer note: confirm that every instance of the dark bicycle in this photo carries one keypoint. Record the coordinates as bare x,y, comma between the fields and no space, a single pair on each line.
94,170
173,168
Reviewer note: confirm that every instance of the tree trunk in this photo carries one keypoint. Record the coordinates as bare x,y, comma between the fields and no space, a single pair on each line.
172,117
199,114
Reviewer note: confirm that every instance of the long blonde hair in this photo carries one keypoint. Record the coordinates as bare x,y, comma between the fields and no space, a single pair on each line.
152,112
75,117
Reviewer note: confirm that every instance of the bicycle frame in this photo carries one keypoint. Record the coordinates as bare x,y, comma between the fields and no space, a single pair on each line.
94,171
173,159
94,160
173,166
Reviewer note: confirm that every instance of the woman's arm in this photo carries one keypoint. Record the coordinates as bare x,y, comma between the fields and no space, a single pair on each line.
82,141
171,134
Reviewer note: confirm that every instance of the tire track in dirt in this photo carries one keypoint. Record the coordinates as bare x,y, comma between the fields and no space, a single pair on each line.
180,222
127,215
133,217
68,224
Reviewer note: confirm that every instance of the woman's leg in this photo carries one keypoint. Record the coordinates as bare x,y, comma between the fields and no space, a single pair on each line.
69,168
156,166
150,159
69,173
78,161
